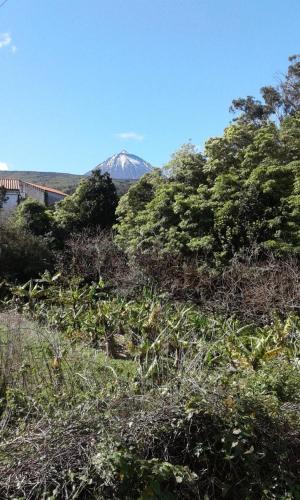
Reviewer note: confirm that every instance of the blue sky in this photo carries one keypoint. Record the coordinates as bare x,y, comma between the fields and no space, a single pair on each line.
81,80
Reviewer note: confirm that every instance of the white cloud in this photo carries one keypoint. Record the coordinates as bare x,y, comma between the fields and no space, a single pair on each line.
5,40
3,166
130,136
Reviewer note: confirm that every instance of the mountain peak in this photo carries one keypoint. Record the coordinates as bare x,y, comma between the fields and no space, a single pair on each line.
124,165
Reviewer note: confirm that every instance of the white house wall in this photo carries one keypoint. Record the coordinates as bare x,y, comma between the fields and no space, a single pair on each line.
52,198
28,191
11,200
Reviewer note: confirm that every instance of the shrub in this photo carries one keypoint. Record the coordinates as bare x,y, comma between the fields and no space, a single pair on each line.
23,255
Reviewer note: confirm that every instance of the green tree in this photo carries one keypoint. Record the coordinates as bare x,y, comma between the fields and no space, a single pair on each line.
280,101
92,205
131,211
163,211
33,216
245,190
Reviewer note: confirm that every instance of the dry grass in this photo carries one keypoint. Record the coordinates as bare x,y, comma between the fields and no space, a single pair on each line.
48,455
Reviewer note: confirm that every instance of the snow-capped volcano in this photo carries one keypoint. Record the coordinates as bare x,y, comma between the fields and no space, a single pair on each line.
124,165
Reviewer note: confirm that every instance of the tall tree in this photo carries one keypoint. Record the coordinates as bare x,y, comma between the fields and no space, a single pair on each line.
92,205
279,101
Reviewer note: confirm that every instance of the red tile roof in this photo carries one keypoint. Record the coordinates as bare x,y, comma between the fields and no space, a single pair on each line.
46,188
15,184
10,184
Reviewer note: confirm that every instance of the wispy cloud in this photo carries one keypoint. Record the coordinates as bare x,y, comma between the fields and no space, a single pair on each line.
5,40
130,136
3,166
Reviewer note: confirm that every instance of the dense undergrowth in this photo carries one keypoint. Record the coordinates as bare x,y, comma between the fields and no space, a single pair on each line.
108,397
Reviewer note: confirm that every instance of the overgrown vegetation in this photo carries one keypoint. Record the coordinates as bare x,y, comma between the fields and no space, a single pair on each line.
183,405
159,359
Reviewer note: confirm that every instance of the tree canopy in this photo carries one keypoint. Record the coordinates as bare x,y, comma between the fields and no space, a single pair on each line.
92,205
244,190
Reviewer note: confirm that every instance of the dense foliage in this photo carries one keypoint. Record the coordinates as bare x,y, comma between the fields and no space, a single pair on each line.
244,190
23,255
33,216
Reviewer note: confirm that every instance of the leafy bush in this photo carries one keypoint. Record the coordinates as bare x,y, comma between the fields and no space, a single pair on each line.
33,216
23,255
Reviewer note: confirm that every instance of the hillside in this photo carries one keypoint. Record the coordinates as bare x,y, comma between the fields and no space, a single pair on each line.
57,180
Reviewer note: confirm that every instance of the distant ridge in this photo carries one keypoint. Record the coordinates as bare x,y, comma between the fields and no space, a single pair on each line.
124,166
58,180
